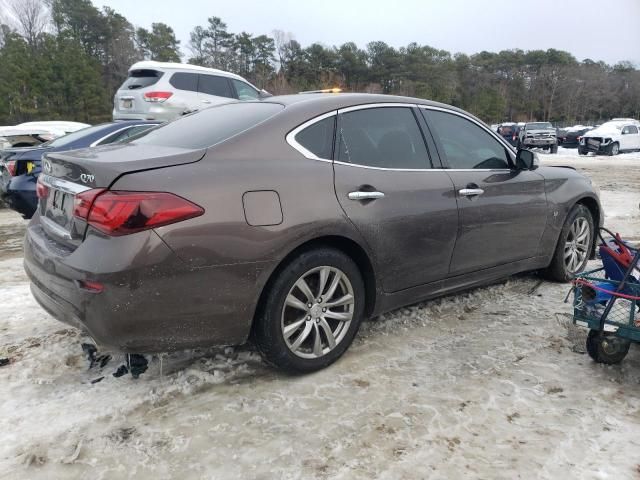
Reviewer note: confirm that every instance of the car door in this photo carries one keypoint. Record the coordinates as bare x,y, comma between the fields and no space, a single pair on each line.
185,96
213,89
630,139
405,210
503,211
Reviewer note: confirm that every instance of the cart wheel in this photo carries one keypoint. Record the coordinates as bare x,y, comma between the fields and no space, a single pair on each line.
606,348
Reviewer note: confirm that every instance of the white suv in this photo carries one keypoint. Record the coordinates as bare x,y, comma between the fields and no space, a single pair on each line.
612,137
164,91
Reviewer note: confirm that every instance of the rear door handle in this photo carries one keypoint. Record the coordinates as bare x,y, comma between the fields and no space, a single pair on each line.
470,192
365,195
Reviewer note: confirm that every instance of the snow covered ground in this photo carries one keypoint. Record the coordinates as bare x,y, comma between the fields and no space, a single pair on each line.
480,385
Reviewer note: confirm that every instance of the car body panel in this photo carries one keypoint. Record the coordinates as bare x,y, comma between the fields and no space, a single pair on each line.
600,139
199,282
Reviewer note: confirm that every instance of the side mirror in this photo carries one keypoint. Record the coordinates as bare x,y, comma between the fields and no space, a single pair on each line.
526,160
265,94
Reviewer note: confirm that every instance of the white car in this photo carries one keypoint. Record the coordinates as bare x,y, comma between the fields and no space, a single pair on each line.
611,138
164,91
34,133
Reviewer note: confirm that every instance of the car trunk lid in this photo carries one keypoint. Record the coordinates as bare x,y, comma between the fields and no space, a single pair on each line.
65,175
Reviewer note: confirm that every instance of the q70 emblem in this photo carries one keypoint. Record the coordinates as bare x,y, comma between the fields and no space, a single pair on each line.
86,178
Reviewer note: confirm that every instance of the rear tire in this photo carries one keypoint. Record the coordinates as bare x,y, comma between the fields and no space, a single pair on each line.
582,151
554,149
606,348
294,336
573,249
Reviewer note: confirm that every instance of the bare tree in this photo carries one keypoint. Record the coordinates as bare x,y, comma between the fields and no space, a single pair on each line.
31,18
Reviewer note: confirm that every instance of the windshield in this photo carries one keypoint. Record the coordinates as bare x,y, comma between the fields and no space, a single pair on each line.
72,137
538,126
210,126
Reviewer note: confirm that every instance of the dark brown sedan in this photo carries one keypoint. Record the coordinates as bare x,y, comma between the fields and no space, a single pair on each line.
292,219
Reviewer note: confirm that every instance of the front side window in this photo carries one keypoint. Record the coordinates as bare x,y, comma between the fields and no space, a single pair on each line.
185,81
244,91
630,129
317,138
215,85
384,137
465,145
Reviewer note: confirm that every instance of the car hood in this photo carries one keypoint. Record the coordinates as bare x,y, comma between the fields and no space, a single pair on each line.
602,132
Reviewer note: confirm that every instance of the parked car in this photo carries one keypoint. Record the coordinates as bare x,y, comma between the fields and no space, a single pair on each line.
509,132
570,137
611,138
34,133
20,167
291,221
538,135
165,91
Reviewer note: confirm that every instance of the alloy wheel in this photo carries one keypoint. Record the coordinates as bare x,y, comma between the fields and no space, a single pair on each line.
576,247
317,312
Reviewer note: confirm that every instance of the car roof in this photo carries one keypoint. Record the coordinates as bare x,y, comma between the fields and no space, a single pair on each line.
153,65
334,101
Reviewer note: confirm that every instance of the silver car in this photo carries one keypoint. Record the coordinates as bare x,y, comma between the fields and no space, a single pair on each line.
165,91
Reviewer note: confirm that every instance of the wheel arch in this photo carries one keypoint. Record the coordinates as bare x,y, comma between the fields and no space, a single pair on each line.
344,244
594,208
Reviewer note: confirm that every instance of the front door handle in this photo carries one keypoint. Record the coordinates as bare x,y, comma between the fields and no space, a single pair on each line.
206,101
358,196
471,192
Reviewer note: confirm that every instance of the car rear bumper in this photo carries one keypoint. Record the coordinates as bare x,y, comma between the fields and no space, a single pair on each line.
20,195
151,302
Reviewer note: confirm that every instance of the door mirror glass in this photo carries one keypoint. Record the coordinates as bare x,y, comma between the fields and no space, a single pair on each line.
526,160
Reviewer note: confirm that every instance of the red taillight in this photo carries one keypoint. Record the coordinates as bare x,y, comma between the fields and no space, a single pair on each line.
93,287
11,167
42,191
122,212
157,96
83,201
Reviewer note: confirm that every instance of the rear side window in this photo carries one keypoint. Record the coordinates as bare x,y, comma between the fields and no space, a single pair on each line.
185,81
318,138
141,79
387,137
465,145
210,126
214,85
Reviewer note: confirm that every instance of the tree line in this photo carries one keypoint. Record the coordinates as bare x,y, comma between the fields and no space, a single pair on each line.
64,59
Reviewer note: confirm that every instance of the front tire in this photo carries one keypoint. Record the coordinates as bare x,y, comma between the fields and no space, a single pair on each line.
554,149
606,348
574,245
582,151
311,312
614,149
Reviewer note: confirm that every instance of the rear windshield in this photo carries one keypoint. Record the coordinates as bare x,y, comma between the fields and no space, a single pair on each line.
140,79
72,137
210,126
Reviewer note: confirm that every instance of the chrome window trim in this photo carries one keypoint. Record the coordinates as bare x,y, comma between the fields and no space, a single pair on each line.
63,185
97,142
291,136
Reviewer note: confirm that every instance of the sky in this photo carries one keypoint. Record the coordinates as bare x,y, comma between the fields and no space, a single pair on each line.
606,30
